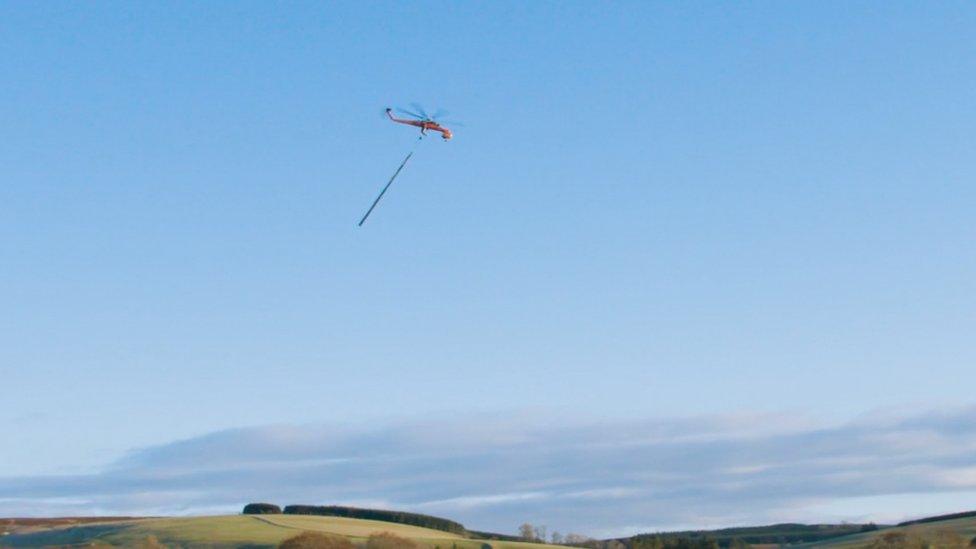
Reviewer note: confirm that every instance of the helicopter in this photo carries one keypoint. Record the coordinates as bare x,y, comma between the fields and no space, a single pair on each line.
421,120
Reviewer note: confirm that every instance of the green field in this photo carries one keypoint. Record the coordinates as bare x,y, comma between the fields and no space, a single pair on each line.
240,531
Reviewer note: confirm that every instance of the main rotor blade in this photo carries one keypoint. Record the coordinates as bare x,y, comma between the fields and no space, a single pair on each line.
417,107
439,114
413,114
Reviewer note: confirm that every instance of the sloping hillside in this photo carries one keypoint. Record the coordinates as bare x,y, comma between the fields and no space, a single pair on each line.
239,531
774,534
948,533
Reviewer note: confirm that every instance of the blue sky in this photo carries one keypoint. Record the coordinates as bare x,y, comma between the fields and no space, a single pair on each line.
654,212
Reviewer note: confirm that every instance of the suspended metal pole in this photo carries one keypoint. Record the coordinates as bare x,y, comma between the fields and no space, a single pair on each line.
390,182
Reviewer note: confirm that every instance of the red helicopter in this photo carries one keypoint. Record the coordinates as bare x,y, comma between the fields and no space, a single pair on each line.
422,120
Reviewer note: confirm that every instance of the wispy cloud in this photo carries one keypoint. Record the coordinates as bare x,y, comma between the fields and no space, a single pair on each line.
599,478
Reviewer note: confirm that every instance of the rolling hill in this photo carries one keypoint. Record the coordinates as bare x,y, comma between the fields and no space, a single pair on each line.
935,531
233,531
267,531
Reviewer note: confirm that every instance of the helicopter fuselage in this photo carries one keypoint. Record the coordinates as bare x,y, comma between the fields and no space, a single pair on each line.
424,125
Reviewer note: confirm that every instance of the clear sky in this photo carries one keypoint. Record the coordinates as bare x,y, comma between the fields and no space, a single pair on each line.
654,210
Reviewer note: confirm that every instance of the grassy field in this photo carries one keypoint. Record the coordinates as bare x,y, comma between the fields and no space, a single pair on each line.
266,531
964,527
238,531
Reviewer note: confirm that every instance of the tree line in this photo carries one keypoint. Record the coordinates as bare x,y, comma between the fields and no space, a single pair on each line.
399,517
539,534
